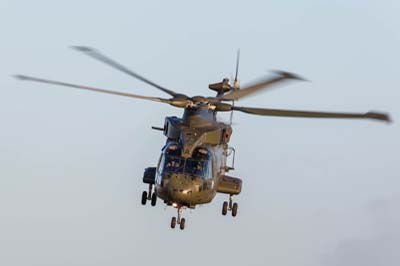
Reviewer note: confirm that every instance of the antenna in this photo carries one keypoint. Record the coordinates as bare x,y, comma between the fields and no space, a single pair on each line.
236,82
236,85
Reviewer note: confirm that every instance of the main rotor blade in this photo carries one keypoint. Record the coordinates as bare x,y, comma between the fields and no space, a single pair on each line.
53,82
264,84
311,114
98,56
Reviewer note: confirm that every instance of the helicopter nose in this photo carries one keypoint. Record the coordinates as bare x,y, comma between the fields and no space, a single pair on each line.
180,188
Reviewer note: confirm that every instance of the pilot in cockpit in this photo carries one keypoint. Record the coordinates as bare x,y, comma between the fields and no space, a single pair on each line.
173,150
173,163
201,154
173,160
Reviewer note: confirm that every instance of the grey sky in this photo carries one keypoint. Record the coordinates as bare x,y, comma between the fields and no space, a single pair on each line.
316,192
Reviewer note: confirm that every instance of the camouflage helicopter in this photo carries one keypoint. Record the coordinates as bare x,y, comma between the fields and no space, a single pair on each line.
193,165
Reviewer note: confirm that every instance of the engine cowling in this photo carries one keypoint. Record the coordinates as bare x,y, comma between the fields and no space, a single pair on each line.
229,185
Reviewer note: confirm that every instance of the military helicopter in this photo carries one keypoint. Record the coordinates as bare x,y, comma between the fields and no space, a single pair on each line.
193,165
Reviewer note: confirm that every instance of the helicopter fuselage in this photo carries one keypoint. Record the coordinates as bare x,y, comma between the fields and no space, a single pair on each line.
193,163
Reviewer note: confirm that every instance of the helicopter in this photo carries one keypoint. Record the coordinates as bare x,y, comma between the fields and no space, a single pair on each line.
193,166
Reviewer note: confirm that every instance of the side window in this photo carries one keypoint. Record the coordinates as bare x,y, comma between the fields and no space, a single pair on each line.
159,169
160,163
210,169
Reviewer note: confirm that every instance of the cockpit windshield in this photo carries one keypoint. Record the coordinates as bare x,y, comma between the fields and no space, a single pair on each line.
199,165
173,164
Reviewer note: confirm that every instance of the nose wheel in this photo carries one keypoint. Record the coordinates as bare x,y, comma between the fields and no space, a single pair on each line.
178,220
231,206
149,196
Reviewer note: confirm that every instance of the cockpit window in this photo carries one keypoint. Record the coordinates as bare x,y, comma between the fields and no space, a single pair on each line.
173,150
173,164
201,154
199,165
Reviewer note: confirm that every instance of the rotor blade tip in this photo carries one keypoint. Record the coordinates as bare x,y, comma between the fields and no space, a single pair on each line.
379,116
20,77
302,78
82,48
289,75
295,76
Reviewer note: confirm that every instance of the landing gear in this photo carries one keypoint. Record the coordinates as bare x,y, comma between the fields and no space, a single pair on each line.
173,222
149,195
234,209
231,206
224,208
182,224
153,199
144,197
179,220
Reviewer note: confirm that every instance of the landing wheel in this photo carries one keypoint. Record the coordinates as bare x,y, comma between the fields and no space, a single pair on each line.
153,199
173,222
182,224
234,209
144,197
224,208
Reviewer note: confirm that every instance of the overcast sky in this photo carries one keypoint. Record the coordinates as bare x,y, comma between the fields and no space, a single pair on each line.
315,192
